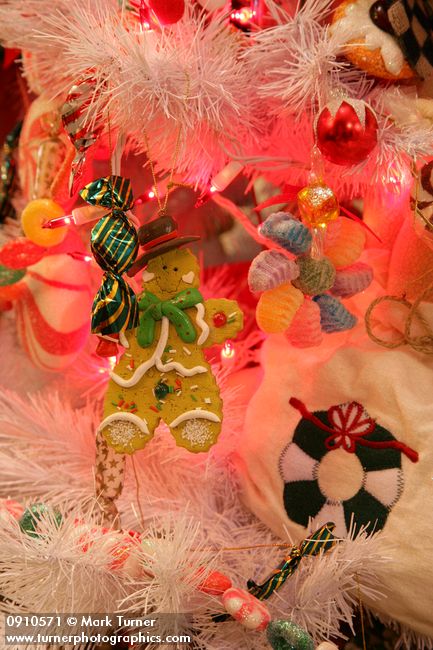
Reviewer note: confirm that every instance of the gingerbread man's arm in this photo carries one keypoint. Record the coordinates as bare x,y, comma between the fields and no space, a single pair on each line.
224,319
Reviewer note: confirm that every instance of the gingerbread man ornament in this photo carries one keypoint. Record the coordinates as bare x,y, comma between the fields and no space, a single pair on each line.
163,374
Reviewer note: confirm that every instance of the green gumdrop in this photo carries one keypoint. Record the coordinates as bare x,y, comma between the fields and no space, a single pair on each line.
285,635
33,514
315,276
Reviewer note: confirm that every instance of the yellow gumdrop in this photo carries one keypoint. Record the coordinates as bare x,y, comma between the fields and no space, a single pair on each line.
277,307
345,241
35,214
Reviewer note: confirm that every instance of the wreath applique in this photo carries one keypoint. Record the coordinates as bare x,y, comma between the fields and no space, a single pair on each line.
342,466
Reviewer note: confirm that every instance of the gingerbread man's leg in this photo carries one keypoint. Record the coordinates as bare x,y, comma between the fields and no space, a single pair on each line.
110,470
195,420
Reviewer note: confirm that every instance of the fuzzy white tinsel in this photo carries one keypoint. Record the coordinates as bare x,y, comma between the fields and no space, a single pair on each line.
253,98
192,512
296,61
52,573
189,75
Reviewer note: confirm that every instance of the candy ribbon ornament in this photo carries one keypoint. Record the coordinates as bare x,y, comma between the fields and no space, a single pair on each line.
114,244
321,540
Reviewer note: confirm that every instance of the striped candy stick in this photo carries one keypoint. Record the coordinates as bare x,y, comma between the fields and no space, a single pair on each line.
82,130
321,540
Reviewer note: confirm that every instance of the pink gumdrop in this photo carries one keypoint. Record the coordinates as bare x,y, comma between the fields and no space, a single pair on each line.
246,609
305,330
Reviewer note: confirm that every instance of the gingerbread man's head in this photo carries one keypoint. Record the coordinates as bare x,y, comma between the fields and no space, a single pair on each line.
171,272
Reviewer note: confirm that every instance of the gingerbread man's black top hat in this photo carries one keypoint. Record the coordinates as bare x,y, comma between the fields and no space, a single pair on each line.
157,237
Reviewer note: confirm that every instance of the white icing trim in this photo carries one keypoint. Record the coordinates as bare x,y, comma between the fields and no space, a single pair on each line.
155,360
175,365
147,276
123,340
201,323
188,277
128,417
356,23
193,415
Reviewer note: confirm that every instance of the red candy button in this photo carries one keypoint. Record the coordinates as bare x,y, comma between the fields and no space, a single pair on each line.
219,319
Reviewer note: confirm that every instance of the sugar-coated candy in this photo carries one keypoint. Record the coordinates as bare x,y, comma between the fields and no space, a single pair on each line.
246,609
270,269
11,292
334,317
10,276
215,583
318,205
123,546
277,307
20,253
9,508
29,520
33,217
315,275
344,242
286,635
305,330
288,232
352,280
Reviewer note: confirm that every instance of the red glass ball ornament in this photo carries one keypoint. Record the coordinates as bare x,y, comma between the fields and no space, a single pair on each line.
168,12
219,319
342,137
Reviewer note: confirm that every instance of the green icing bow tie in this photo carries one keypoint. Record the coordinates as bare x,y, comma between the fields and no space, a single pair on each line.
153,309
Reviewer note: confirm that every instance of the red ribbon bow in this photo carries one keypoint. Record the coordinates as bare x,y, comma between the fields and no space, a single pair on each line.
351,425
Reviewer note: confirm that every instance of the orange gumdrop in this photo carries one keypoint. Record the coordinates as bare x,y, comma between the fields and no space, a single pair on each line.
277,307
345,241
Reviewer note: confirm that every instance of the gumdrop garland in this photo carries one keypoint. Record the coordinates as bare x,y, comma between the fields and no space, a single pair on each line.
240,605
114,244
301,296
